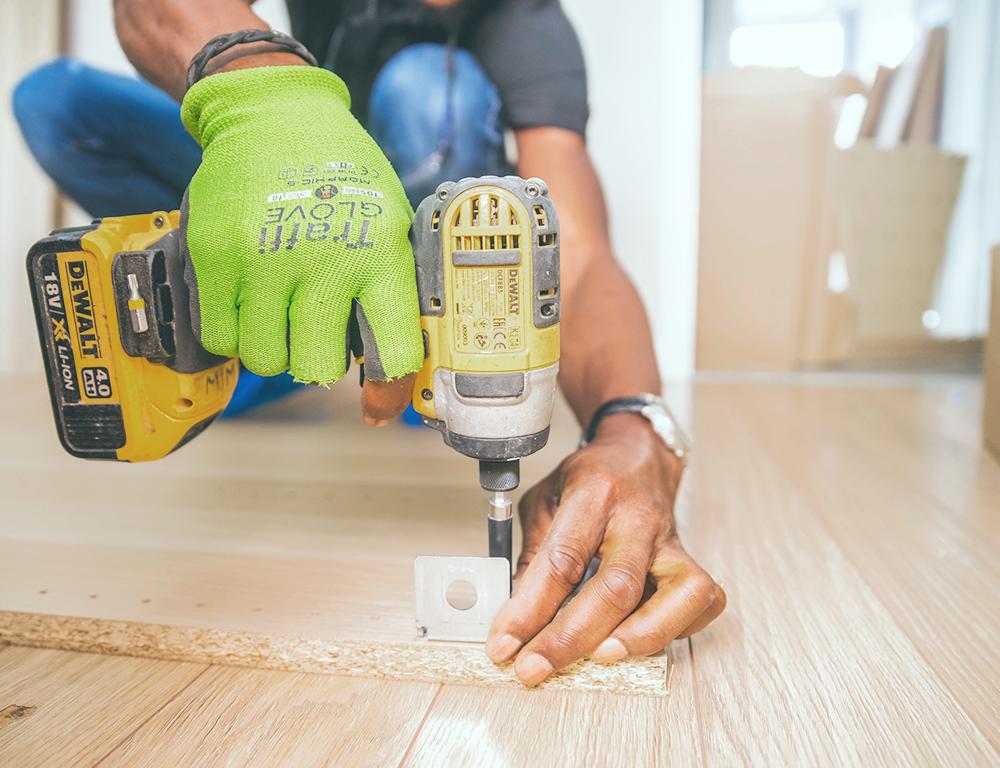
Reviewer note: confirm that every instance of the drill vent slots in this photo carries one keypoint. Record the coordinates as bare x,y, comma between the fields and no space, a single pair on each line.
485,222
487,242
540,218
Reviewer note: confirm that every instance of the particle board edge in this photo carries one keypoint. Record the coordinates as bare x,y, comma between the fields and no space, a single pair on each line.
418,661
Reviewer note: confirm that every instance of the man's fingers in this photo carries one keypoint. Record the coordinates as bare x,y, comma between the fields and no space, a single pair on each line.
263,328
385,400
535,512
607,598
388,318
562,559
388,322
318,339
683,595
711,613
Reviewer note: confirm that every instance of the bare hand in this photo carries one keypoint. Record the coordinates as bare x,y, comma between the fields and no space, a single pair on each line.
382,401
614,499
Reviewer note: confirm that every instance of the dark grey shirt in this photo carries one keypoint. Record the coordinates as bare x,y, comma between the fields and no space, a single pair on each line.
527,47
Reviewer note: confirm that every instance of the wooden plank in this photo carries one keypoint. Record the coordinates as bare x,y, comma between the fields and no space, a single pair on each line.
808,665
876,101
924,122
543,727
267,534
253,717
898,106
73,709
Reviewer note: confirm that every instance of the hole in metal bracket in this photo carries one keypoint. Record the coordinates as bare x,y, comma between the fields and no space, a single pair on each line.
461,595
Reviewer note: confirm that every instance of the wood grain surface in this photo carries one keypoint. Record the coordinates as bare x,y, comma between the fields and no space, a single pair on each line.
853,520
556,728
256,717
74,709
807,634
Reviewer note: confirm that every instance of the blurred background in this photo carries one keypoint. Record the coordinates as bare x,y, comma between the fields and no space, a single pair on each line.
794,184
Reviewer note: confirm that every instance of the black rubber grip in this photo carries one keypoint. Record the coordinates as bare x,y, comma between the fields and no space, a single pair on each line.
501,538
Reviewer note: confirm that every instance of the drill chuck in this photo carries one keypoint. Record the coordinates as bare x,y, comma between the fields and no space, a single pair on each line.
499,475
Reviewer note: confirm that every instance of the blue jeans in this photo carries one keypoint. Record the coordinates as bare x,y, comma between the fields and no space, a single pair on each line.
116,145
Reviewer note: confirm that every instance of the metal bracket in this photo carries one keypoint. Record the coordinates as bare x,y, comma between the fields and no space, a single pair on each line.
486,580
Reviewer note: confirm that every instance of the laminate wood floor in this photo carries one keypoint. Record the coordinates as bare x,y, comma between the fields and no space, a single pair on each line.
854,520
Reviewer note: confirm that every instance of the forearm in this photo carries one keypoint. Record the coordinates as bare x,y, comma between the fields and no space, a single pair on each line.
161,36
607,346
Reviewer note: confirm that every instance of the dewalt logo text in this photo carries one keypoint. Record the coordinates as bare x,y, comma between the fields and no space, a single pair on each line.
83,309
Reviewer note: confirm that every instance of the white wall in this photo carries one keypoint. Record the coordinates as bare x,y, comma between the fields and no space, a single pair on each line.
971,126
644,69
28,37
91,35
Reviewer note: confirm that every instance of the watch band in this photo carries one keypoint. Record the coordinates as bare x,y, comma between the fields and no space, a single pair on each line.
222,43
617,405
655,411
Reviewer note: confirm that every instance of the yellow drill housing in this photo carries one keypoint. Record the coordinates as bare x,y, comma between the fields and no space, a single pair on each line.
487,257
127,379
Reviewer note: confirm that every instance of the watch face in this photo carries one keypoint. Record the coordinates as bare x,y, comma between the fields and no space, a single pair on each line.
664,424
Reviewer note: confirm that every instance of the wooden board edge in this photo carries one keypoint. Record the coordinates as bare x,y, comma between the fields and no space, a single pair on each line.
419,661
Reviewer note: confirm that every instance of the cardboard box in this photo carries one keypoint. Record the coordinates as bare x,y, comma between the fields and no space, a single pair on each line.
778,200
991,366
768,220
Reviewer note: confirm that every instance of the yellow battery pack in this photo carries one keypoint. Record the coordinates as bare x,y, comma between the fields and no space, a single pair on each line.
127,377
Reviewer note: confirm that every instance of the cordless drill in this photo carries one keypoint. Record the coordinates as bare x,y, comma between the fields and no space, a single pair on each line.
129,381
487,256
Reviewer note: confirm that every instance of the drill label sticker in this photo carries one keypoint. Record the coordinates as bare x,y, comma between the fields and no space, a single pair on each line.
488,314
63,360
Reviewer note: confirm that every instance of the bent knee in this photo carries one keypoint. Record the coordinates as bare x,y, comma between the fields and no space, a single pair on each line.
46,91
46,105
413,86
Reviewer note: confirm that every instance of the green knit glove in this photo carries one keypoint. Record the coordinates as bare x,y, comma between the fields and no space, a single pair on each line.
293,214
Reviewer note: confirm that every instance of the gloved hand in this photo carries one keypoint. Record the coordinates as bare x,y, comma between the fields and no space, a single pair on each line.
292,215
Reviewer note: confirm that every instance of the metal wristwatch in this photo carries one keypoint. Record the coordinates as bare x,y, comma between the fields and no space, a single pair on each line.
654,410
